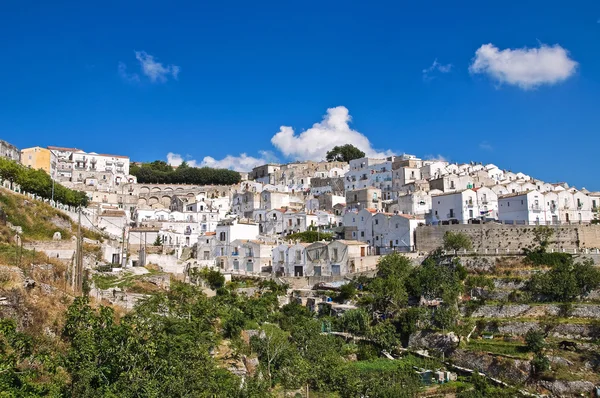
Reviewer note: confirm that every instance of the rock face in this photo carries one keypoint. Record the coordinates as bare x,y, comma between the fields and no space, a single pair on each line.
61,223
442,343
568,388
534,311
509,370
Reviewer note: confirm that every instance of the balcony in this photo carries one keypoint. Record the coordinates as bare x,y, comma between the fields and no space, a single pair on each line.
470,203
484,202
536,208
375,200
553,208
595,209
235,253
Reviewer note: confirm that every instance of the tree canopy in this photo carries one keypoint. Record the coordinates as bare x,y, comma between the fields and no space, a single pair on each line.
159,172
344,153
38,182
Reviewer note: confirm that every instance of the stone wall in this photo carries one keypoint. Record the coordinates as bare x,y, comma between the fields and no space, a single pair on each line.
514,238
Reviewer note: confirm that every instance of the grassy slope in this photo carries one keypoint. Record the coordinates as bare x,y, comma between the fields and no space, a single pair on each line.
37,219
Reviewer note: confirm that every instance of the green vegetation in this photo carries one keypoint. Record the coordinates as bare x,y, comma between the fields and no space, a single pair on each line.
344,153
159,172
39,182
310,236
38,220
565,281
455,241
499,347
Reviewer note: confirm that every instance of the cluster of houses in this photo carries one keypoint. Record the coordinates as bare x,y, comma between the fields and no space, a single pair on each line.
371,206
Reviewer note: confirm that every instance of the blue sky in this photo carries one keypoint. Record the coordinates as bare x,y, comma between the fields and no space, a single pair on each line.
515,84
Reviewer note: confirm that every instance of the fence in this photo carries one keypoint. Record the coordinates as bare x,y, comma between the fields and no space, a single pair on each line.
501,252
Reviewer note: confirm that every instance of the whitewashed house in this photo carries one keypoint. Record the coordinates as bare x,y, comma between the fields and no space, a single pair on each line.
459,207
527,207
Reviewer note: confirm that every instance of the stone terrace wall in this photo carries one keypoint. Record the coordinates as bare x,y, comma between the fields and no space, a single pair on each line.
494,236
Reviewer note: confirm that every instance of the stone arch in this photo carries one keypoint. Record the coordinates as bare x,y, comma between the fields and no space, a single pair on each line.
168,189
179,189
165,200
144,190
191,195
142,202
153,200
156,189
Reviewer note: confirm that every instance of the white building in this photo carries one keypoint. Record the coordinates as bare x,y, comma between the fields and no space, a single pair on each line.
459,207
522,208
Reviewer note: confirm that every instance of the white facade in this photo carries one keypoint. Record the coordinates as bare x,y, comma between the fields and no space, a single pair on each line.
458,206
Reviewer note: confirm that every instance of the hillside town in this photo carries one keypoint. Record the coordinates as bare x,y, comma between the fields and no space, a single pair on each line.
449,273
370,206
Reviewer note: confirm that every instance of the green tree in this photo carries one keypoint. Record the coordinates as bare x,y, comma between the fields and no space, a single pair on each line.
355,322
344,153
455,241
534,340
310,236
271,345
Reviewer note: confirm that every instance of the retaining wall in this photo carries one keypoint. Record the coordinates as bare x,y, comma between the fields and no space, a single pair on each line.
514,238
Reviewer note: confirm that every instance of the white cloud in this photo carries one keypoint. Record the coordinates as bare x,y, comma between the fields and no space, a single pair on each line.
435,67
155,71
237,163
314,143
311,144
437,158
129,77
526,68
175,159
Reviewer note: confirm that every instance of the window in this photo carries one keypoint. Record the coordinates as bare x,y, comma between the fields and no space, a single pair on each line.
398,225
362,234
507,204
396,241
222,236
298,256
522,201
354,234
335,255
222,251
376,222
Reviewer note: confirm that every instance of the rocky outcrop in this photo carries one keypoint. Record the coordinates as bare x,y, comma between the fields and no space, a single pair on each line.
568,388
442,343
510,370
534,311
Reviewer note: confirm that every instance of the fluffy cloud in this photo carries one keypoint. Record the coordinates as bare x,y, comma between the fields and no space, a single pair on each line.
311,144
129,77
175,159
314,143
156,71
237,163
435,67
526,68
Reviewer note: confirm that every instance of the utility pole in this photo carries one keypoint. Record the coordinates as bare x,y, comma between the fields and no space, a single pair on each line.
123,264
78,273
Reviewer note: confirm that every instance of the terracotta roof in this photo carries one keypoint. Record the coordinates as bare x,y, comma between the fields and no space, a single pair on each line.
210,233
371,210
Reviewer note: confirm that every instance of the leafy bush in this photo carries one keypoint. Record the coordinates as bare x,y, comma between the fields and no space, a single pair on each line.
160,172
566,281
310,236
457,241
